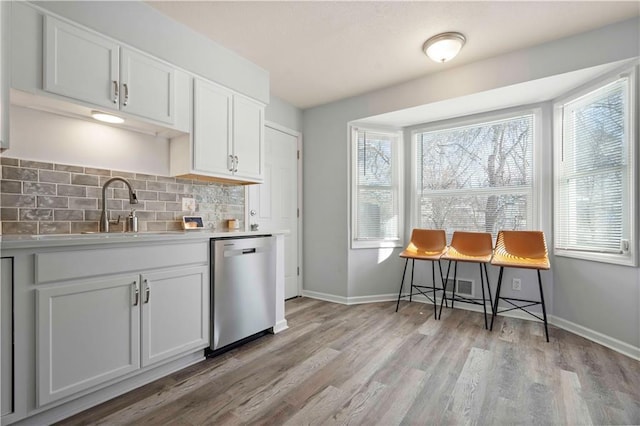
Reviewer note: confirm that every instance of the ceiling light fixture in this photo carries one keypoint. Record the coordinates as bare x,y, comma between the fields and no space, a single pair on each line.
444,47
107,118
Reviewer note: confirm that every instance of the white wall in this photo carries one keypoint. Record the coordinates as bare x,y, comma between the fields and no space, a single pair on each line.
331,267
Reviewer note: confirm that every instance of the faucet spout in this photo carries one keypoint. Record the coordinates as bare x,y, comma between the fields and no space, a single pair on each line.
133,199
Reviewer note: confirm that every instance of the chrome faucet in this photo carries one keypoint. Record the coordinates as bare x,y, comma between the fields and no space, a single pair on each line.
104,220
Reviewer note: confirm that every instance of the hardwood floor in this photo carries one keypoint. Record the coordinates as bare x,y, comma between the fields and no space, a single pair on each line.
366,364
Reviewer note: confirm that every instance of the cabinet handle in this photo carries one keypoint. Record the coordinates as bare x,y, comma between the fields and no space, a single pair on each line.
235,169
126,94
147,291
136,295
115,92
230,163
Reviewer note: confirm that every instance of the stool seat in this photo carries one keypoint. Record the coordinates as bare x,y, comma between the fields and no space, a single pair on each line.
414,252
521,249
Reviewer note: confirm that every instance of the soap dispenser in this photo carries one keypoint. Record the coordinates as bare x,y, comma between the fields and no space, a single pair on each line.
132,221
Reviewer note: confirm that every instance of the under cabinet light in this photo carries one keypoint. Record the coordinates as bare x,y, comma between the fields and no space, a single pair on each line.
107,118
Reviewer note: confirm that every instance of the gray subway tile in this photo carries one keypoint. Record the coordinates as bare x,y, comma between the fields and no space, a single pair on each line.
68,214
96,192
36,214
147,195
167,196
39,188
6,161
36,165
67,168
92,215
126,175
96,171
166,179
11,186
8,214
20,228
142,176
19,173
138,184
154,206
156,226
87,180
54,227
83,203
144,216
51,201
156,186
114,184
165,216
72,190
55,177
79,227
12,200
174,226
173,207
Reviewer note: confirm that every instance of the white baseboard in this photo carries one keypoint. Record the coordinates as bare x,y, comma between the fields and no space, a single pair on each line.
595,336
280,326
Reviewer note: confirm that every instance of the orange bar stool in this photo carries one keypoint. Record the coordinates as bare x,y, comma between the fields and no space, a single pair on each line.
521,249
474,247
425,244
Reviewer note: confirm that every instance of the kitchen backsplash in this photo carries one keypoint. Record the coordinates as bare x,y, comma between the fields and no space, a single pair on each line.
48,198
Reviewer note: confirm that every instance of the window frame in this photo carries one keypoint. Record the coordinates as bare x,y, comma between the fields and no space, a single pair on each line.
397,159
536,110
630,198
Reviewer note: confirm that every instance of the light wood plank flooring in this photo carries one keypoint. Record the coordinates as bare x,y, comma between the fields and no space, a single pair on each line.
366,364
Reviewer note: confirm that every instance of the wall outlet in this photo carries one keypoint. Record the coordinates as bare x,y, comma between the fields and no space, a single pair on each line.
188,204
516,284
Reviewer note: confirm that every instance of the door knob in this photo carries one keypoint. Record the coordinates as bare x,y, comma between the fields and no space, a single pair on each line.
253,213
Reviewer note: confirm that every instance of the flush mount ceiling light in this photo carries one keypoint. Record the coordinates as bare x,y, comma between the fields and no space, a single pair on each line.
107,118
444,47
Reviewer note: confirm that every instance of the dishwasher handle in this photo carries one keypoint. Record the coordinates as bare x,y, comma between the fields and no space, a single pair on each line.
249,250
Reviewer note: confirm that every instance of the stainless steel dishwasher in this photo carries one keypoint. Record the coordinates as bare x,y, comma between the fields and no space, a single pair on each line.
243,288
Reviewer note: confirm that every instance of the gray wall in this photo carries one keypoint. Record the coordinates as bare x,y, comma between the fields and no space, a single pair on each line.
281,112
332,267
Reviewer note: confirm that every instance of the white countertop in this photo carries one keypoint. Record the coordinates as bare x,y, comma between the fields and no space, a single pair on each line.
8,242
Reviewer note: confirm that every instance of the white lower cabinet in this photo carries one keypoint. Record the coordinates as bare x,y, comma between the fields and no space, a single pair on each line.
88,333
175,307
92,331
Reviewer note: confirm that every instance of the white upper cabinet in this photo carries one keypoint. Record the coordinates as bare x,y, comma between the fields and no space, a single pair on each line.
228,137
146,86
248,135
83,65
211,128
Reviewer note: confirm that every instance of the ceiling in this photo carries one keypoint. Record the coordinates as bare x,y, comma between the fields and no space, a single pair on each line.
320,51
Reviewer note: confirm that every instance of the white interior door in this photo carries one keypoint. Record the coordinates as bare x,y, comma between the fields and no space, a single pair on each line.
274,204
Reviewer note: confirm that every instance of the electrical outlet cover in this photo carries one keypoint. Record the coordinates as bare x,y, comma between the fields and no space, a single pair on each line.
516,284
188,204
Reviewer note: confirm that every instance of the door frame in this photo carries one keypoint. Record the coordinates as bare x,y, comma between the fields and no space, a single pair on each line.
298,136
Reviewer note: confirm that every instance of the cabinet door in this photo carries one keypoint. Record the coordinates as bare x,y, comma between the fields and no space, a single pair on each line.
87,333
147,87
248,136
211,128
175,313
80,64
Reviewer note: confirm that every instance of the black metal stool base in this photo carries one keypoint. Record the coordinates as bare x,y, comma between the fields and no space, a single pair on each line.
422,289
520,304
472,300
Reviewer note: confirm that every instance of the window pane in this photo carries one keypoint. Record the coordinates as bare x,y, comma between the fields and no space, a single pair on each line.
591,184
494,158
486,213
376,209
486,155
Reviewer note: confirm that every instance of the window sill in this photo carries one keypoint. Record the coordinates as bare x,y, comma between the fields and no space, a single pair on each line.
615,259
375,244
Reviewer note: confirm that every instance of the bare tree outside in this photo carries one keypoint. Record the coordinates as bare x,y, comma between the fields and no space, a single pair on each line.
478,177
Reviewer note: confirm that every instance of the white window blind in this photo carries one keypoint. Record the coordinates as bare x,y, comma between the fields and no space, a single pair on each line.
592,167
376,188
476,177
